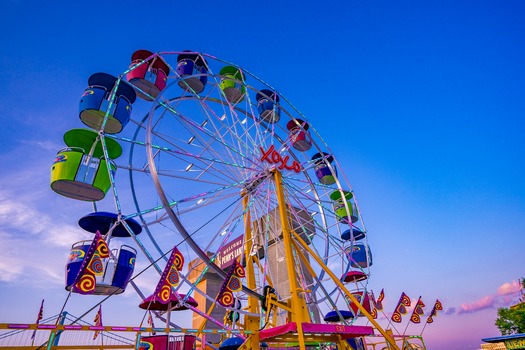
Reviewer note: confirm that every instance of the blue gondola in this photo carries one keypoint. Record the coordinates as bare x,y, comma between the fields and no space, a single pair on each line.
360,255
96,103
118,268
267,105
333,316
232,343
103,221
357,233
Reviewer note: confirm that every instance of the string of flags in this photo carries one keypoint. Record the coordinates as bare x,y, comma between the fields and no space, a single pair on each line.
401,308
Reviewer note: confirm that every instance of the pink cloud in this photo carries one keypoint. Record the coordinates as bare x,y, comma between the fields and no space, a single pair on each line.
509,288
484,303
507,294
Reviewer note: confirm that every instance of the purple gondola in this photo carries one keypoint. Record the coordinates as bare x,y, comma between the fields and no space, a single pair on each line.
324,169
192,68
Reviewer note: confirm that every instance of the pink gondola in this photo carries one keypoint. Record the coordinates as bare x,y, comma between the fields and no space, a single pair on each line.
148,77
299,135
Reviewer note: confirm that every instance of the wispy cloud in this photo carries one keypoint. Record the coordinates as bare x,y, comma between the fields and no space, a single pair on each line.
36,243
484,303
509,288
450,311
506,295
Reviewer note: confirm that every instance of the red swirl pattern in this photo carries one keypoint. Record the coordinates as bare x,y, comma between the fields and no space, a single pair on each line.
239,270
102,248
165,293
95,265
173,277
226,299
396,317
415,318
405,300
234,284
178,260
86,284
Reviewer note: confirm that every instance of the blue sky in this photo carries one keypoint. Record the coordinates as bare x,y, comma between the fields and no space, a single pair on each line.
422,102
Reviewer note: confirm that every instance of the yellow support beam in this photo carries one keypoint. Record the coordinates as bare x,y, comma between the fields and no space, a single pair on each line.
251,323
391,342
298,304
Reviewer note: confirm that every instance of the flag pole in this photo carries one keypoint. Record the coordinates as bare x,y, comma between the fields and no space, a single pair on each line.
415,311
38,318
420,334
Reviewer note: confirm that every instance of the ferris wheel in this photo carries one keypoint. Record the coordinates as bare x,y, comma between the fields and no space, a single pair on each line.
223,167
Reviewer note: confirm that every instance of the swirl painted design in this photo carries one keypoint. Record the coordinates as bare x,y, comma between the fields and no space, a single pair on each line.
235,284
396,317
96,265
226,299
165,293
86,284
178,260
239,270
415,318
102,248
173,277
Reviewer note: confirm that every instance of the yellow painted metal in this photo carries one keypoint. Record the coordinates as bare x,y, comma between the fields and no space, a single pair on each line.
387,336
298,304
250,322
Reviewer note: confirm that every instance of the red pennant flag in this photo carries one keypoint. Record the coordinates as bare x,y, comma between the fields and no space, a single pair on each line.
437,306
400,309
374,305
379,301
405,300
98,321
39,317
418,310
396,317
